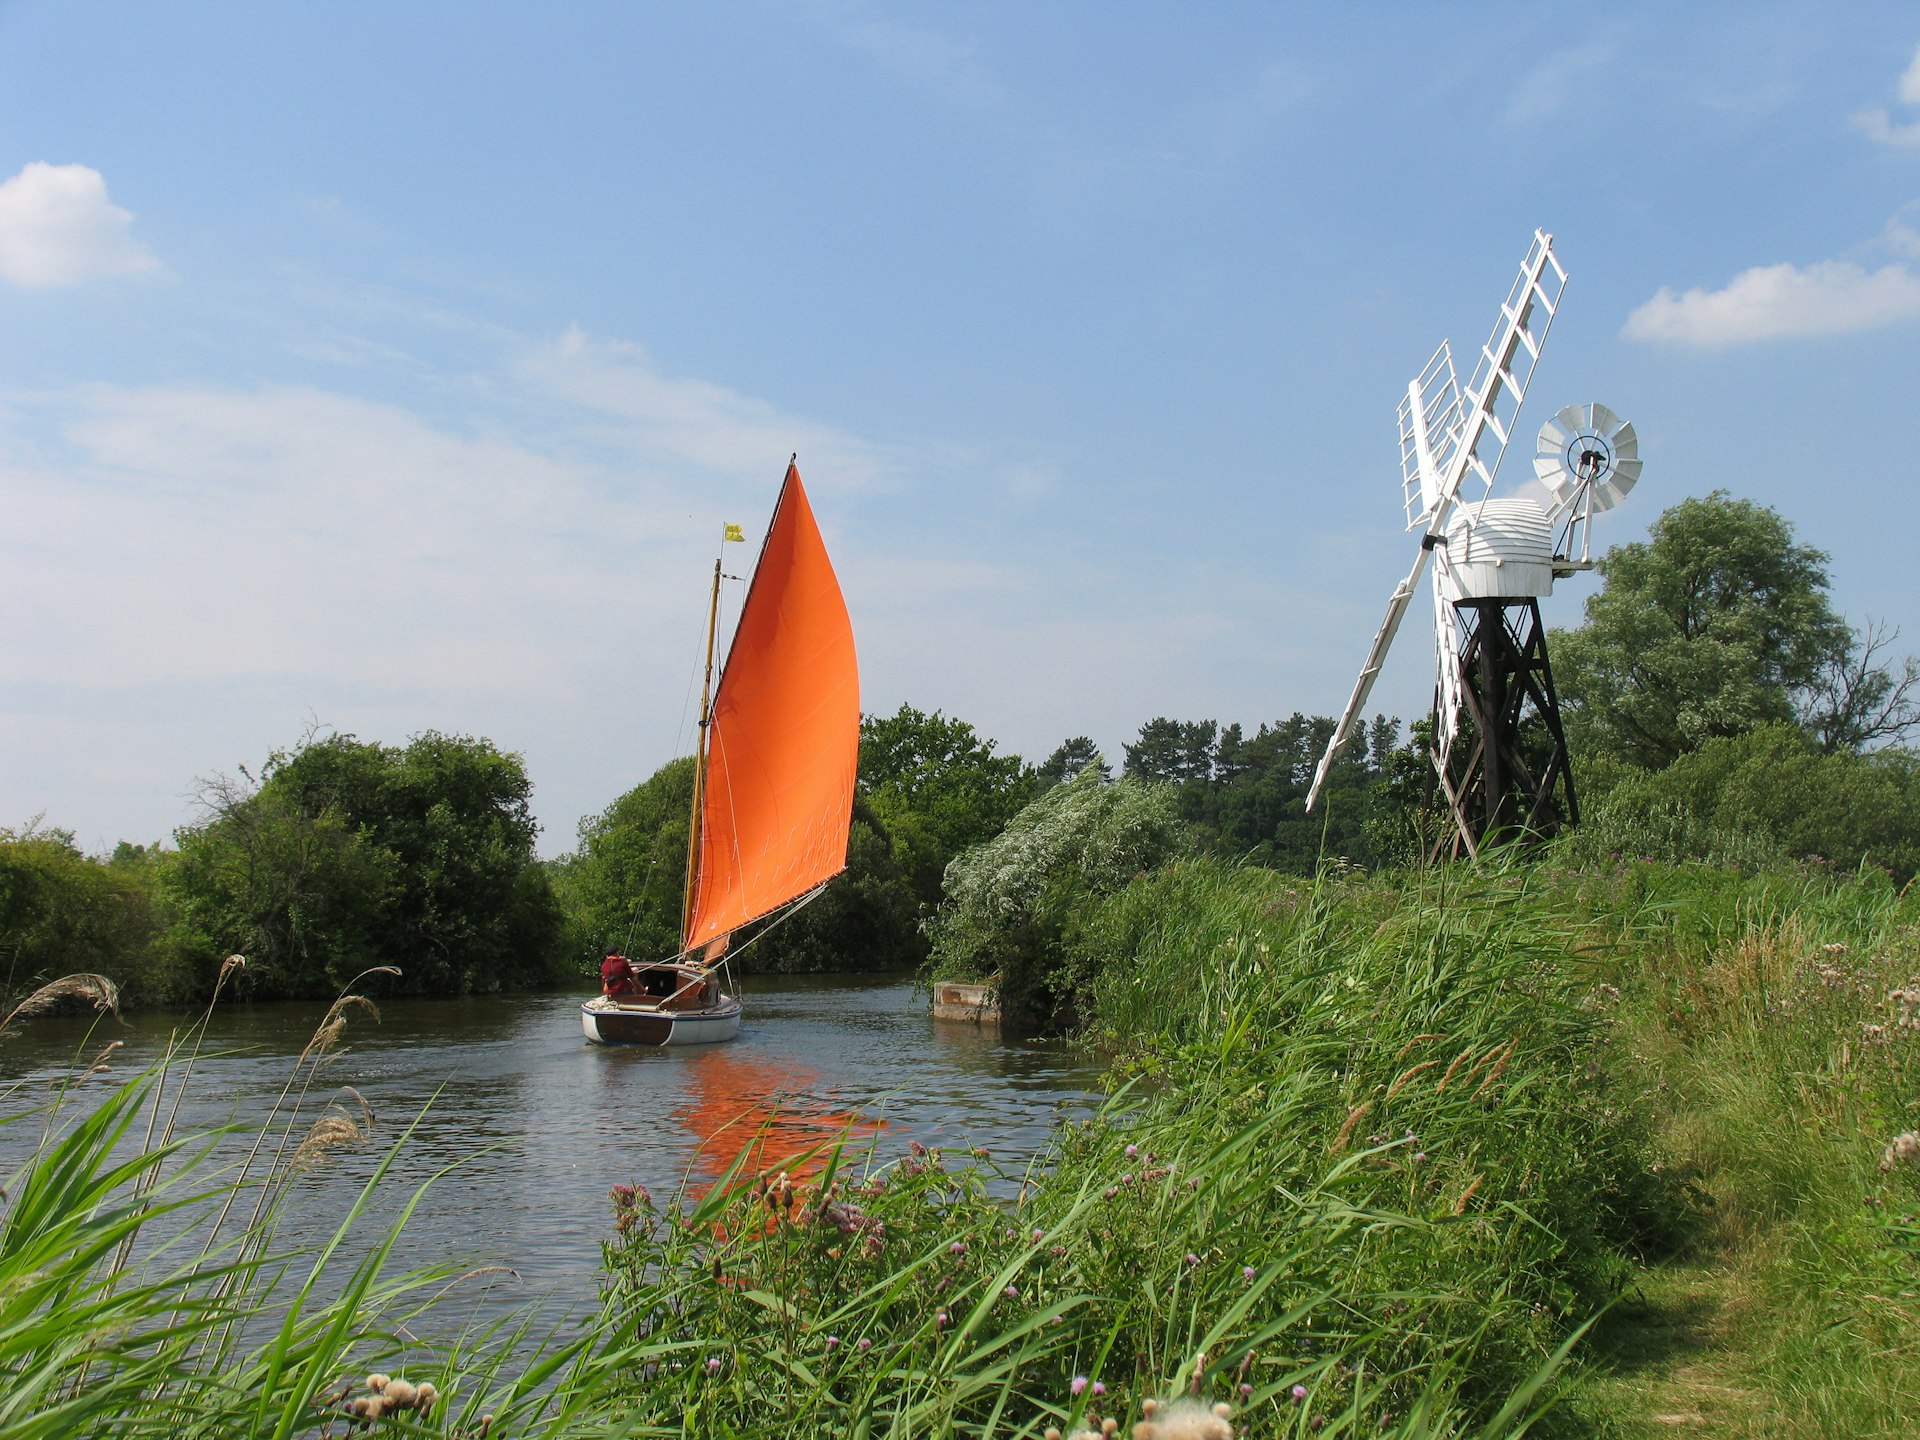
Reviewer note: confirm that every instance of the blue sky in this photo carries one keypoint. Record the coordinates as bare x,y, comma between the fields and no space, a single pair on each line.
393,367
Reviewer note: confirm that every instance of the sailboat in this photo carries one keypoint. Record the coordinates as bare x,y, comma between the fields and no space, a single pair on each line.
773,783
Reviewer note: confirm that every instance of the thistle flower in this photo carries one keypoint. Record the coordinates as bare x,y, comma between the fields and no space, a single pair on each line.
833,1342
1011,1293
863,1345
1185,1420
958,1247
713,1365
1132,1151
1192,1259
1247,1272
1299,1393
1078,1386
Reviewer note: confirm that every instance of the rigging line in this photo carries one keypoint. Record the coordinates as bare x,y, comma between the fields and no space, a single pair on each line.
792,909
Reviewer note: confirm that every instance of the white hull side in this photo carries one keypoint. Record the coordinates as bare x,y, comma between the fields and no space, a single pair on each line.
606,1022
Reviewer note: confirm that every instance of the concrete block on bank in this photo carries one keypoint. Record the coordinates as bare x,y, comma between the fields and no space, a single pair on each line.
975,1003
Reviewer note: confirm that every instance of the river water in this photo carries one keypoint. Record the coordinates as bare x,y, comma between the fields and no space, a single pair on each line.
538,1124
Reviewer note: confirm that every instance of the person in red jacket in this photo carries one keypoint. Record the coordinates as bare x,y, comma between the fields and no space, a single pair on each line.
616,976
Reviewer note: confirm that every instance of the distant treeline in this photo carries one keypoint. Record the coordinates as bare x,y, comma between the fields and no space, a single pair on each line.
1717,708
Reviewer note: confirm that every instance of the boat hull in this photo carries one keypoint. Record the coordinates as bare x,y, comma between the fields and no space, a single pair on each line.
606,1021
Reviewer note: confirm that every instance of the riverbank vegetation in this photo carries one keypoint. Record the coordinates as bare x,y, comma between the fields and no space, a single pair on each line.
338,855
1561,1145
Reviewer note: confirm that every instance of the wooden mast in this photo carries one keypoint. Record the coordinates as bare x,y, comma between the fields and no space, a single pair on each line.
700,763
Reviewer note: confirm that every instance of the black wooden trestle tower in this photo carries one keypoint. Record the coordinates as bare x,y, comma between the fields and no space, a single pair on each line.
1506,773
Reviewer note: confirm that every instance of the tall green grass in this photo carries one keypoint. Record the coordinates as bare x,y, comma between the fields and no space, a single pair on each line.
1762,1010
1370,1151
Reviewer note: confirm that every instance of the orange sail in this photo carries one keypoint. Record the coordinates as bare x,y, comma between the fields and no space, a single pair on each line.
783,742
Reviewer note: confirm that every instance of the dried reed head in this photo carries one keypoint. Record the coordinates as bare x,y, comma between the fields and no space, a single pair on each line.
335,1130
96,990
366,1110
326,1035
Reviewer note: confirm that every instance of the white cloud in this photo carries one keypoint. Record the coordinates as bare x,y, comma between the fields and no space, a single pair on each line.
1902,235
1832,297
1561,80
1880,126
57,227
192,572
925,60
696,422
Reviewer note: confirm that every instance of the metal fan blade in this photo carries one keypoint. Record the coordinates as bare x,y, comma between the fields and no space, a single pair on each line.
1612,490
1572,419
1603,421
1626,443
1369,671
1550,455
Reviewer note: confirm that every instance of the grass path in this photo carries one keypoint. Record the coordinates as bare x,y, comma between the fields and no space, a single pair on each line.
1669,1361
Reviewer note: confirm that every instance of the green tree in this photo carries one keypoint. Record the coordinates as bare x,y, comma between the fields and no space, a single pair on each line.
1177,752
1247,794
866,919
627,882
936,788
1765,795
300,895
62,911
1011,902
348,853
1719,624
624,887
1069,758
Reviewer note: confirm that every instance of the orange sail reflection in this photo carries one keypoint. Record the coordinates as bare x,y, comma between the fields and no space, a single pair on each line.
763,1115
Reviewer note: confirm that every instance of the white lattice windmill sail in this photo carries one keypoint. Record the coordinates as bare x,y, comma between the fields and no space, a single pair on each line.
1447,439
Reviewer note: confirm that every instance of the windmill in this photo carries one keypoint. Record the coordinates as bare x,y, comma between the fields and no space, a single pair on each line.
1492,561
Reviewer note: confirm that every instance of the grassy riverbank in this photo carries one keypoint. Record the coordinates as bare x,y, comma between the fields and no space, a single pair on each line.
1592,1149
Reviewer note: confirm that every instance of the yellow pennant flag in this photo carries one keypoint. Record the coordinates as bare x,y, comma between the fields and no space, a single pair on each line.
734,532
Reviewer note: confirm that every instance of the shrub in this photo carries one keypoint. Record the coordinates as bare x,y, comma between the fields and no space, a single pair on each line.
1010,901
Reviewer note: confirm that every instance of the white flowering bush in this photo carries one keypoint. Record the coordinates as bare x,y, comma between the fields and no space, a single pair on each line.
1009,904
